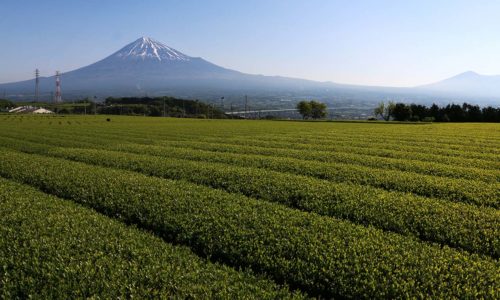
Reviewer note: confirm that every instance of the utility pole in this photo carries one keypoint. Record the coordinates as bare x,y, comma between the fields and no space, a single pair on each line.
37,83
246,105
58,87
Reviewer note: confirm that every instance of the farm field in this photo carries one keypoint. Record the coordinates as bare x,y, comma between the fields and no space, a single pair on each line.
188,208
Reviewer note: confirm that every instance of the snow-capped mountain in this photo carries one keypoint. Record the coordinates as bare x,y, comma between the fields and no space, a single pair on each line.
144,66
148,48
148,61
149,67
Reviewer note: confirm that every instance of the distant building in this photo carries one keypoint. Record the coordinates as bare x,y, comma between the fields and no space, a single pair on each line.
43,111
30,110
17,109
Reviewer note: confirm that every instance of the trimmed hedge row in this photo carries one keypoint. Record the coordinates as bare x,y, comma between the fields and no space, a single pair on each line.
421,167
458,225
319,153
54,249
323,256
364,159
322,153
460,190
315,152
483,148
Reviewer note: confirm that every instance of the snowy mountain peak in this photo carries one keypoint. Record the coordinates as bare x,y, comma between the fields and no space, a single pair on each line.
146,48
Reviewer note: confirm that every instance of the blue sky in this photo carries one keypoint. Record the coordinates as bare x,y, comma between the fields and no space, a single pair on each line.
372,42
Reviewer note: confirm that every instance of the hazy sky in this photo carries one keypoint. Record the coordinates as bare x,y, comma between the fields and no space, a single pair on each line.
372,42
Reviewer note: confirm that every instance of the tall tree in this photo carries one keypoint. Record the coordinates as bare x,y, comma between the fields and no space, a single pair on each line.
312,109
401,112
305,109
318,110
419,112
384,110
6,103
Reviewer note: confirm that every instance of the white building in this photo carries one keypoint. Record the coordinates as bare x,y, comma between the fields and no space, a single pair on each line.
30,109
42,111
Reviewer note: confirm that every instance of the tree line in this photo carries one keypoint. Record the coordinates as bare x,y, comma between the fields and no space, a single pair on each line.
160,106
4,104
449,113
140,106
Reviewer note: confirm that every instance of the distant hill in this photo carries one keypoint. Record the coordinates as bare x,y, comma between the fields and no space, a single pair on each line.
468,84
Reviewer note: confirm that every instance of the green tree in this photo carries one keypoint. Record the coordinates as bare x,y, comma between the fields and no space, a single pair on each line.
305,109
401,112
312,109
318,110
6,103
385,111
379,110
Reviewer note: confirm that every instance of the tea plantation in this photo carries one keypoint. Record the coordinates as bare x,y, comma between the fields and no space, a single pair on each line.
186,208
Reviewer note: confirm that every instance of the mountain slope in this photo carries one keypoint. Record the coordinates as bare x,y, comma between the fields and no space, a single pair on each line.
148,66
468,84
